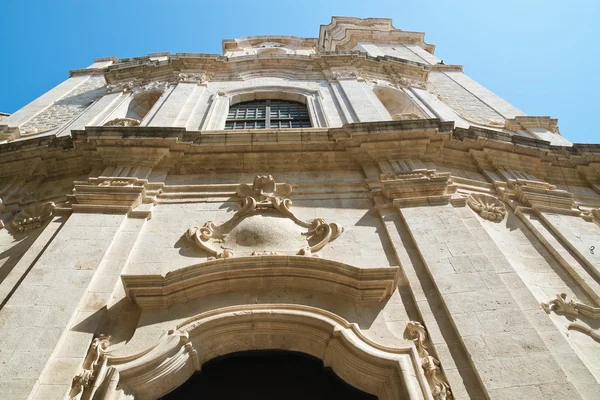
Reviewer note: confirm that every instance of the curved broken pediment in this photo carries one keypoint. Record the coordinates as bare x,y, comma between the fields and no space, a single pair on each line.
264,225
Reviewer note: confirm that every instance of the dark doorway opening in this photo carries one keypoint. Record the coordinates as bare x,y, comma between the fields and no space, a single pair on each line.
266,375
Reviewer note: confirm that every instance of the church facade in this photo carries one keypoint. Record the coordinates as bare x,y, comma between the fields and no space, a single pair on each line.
350,197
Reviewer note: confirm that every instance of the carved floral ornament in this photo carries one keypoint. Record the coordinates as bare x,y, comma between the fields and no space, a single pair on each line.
32,217
259,224
487,207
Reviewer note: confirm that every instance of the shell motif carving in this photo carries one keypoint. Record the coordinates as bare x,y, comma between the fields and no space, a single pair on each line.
487,207
263,196
32,217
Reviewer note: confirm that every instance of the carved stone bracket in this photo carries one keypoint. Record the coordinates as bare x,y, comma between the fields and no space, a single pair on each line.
487,207
32,217
263,197
431,366
574,310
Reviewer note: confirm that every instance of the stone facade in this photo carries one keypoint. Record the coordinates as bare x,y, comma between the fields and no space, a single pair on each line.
423,237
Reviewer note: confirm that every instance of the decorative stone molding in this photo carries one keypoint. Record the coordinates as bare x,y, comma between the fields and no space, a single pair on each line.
136,85
523,122
191,77
262,198
125,86
417,187
405,117
542,196
114,194
153,86
92,367
487,207
252,272
431,366
32,217
345,75
573,309
123,122
389,373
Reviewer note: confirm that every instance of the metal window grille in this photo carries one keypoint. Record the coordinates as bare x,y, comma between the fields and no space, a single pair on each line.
262,114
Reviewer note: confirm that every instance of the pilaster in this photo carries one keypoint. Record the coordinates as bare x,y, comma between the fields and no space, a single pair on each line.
476,287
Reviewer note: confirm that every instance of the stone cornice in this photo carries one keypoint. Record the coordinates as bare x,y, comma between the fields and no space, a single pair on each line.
347,147
219,68
343,33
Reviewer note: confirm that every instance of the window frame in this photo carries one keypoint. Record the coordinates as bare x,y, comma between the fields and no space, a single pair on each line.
268,119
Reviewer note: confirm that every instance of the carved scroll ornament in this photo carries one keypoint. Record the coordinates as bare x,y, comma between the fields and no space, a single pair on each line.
94,361
574,309
487,207
263,196
431,365
32,217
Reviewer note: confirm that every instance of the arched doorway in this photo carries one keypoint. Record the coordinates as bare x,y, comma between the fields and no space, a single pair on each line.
266,375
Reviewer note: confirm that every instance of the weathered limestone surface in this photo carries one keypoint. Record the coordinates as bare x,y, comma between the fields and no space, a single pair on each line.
423,238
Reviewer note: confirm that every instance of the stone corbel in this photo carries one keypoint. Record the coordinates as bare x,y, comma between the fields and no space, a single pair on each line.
440,388
574,310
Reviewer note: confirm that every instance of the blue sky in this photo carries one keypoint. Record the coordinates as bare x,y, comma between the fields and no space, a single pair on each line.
538,55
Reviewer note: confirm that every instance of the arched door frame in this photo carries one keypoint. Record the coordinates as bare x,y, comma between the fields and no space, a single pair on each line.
389,373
